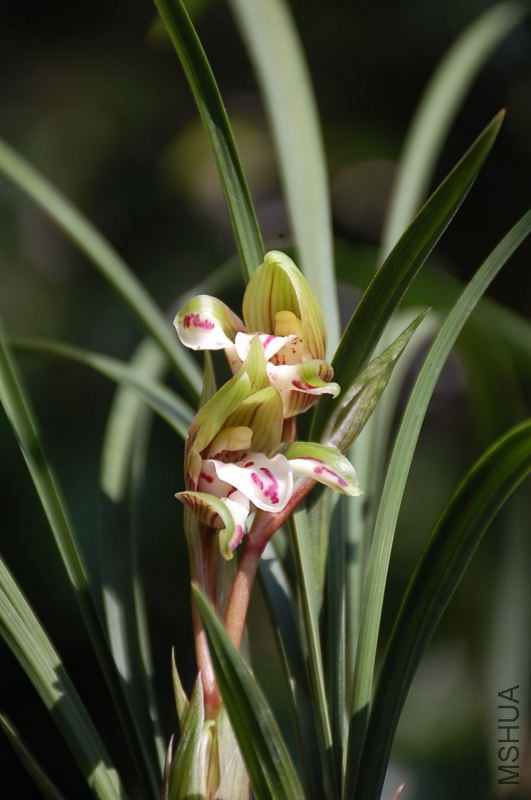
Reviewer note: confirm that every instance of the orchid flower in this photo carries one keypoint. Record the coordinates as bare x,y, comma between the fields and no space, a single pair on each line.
280,307
236,463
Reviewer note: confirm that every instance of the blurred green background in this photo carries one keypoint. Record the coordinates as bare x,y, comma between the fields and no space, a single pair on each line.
94,96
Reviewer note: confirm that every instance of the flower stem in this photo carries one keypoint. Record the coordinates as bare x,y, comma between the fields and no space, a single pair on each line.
263,528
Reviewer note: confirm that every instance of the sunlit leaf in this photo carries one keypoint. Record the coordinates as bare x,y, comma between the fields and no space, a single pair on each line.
359,400
104,258
450,549
20,416
390,283
275,50
281,604
217,126
29,643
165,402
396,478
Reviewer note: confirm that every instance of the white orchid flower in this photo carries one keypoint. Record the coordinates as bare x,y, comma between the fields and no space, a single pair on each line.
236,463
280,308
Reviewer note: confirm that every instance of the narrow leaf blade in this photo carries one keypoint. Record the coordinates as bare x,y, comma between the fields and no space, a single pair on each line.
104,258
281,604
275,50
451,546
27,639
396,478
437,109
390,283
20,415
216,123
166,403
46,788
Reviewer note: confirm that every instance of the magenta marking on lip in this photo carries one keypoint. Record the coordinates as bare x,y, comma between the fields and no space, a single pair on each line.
193,318
268,338
206,477
338,478
256,480
272,490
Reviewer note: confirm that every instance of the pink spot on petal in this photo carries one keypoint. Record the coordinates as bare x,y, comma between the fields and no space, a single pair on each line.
272,491
319,471
195,320
256,480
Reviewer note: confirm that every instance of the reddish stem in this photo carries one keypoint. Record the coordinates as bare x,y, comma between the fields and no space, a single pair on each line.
264,526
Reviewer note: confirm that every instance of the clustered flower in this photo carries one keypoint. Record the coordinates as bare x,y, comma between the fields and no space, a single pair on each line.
236,461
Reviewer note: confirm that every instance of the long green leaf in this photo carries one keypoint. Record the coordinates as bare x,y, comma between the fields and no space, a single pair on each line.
276,53
210,105
166,403
27,639
388,286
395,482
434,288
104,258
282,606
310,599
334,632
266,757
46,788
452,544
130,620
437,109
20,415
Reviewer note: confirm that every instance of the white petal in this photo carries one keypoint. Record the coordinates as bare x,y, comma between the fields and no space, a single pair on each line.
208,480
238,505
321,472
267,482
206,323
300,378
271,344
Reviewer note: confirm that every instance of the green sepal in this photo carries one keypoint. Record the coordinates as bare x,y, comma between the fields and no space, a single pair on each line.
278,285
255,366
262,412
353,409
209,420
324,464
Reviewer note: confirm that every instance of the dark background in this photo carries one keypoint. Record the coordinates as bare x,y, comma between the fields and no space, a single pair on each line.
93,95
